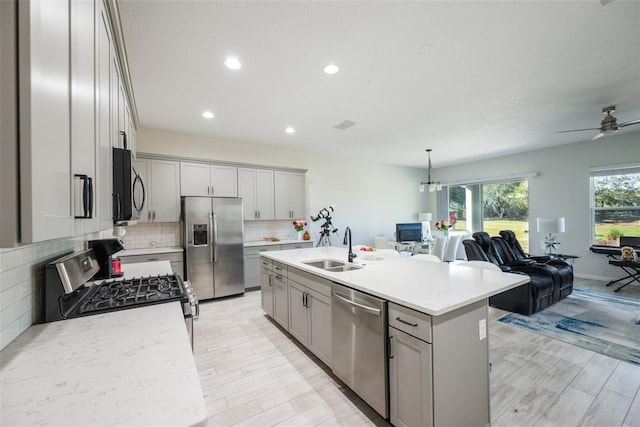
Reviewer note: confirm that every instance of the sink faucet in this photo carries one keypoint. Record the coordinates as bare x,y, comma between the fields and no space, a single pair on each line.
347,241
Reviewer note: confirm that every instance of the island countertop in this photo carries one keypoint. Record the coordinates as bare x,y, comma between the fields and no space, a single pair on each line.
433,288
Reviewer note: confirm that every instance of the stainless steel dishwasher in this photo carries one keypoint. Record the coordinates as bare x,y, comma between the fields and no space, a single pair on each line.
359,324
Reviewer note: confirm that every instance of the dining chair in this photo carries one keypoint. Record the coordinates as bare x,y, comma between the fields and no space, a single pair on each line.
438,247
451,249
381,242
425,257
485,265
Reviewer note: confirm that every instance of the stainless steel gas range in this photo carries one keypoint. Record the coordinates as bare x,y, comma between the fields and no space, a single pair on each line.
69,293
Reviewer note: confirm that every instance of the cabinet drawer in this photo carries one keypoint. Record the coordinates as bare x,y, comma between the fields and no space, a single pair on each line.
410,321
315,283
255,250
167,256
279,269
301,245
266,264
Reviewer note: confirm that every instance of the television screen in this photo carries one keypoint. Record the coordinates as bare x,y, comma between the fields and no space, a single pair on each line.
411,232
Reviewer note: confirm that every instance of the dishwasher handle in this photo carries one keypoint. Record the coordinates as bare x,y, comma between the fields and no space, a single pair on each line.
366,308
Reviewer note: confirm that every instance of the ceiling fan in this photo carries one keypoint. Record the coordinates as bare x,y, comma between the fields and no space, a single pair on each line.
608,125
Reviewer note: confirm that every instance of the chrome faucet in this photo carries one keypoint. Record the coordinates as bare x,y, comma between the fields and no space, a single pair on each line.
347,241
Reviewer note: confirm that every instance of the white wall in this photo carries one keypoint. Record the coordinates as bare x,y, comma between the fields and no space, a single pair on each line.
561,189
368,197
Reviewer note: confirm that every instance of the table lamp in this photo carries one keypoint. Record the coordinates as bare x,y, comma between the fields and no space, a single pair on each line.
425,218
549,226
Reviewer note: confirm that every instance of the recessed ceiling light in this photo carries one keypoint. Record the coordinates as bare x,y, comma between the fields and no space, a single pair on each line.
331,69
232,63
290,130
207,115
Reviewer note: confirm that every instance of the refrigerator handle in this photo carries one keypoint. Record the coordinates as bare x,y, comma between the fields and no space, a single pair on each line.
215,236
211,241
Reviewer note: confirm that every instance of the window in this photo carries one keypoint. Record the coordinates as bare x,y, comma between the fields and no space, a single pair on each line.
615,206
491,207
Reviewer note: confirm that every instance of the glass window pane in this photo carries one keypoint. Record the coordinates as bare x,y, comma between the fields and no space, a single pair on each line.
505,206
610,224
457,208
615,191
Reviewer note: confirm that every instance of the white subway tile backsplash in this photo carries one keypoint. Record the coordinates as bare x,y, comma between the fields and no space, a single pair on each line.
152,234
22,283
257,230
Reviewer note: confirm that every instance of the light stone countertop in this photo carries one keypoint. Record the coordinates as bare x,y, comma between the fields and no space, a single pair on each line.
252,243
128,367
149,251
433,288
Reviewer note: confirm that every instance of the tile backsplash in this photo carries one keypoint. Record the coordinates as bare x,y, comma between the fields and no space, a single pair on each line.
22,283
257,230
152,235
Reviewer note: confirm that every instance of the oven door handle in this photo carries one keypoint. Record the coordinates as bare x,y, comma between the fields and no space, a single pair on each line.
195,303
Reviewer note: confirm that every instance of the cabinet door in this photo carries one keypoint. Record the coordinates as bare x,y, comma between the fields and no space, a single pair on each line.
298,312
410,396
165,191
247,191
103,184
194,179
297,195
44,117
280,300
224,181
266,289
281,195
319,333
264,194
251,271
83,129
143,167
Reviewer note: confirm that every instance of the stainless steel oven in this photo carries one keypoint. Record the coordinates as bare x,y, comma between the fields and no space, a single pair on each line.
69,293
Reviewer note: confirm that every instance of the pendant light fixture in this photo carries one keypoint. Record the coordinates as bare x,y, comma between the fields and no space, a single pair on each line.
431,185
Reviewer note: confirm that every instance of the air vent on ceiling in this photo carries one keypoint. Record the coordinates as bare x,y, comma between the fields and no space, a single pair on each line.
344,125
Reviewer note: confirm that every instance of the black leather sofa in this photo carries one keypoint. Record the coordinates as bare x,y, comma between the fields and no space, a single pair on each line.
546,285
565,270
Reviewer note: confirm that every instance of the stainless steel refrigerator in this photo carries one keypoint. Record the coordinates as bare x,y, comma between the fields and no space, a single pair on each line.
213,235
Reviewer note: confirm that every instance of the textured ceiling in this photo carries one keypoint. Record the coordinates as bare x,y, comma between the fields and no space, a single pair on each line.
470,79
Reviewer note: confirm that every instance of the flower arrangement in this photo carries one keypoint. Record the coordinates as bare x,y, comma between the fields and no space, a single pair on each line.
442,225
299,224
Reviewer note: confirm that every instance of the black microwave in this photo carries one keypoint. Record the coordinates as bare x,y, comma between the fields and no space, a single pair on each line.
122,200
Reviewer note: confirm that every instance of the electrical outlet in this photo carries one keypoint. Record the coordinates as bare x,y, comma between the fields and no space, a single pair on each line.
482,329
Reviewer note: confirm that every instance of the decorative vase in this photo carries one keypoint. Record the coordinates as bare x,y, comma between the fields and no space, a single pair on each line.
300,235
445,233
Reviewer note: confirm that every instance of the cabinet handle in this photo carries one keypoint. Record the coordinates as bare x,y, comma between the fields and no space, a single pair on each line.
406,323
390,347
304,298
148,215
270,277
279,277
258,214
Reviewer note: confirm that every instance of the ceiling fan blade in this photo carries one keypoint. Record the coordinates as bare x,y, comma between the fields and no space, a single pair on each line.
629,123
576,130
598,136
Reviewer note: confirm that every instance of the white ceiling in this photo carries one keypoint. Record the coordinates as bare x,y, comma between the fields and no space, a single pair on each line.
469,79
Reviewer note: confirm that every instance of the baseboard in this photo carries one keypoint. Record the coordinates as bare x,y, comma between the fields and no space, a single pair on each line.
594,277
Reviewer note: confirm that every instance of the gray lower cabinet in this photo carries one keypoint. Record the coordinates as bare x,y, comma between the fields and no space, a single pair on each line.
280,295
266,285
410,376
176,260
310,312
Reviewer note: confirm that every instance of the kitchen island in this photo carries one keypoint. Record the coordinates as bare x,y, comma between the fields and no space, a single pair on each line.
436,335
123,368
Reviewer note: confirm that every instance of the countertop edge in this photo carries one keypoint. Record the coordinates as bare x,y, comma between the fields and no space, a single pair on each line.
336,277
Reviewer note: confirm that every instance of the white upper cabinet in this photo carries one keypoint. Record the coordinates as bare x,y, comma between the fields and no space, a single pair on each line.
255,187
83,118
289,195
162,188
44,120
201,179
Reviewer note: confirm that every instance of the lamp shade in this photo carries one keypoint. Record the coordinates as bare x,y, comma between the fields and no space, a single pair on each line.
550,225
424,216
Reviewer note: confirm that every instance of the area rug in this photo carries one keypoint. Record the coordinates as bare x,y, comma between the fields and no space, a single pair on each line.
607,324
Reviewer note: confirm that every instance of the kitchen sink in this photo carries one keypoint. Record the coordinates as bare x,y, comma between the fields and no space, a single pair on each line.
332,265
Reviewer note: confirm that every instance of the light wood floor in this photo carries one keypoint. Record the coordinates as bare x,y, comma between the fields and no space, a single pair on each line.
254,374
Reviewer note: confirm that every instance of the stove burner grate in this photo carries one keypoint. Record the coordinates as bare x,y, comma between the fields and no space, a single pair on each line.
130,292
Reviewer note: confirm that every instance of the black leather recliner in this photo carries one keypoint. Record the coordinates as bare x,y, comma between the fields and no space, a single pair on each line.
525,299
564,268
